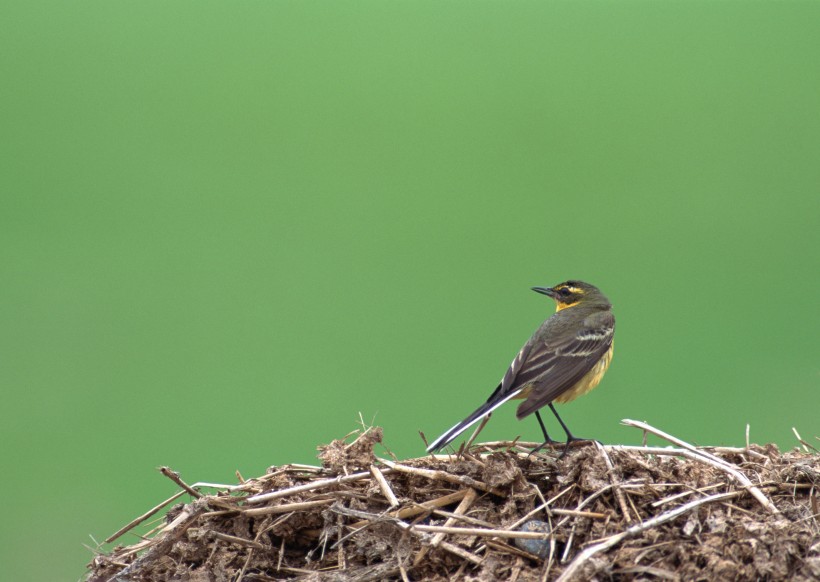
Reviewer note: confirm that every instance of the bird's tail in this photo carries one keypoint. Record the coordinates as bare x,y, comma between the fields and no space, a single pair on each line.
480,412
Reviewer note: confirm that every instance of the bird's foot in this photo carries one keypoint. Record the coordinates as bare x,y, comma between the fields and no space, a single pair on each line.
573,439
546,443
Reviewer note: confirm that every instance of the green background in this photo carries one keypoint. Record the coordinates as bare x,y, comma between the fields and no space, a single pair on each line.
226,229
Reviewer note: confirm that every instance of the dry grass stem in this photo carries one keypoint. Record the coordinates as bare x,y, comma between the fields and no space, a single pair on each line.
384,485
493,512
589,552
718,464
321,484
174,476
421,508
129,526
437,475
481,532
237,540
458,514
460,552
613,479
286,508
806,446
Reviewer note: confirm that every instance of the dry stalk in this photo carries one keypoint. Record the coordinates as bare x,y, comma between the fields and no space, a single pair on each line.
237,540
462,508
128,527
286,508
438,475
619,494
481,532
160,545
541,507
581,559
460,552
174,476
384,486
253,533
504,547
711,459
312,486
463,518
677,496
420,508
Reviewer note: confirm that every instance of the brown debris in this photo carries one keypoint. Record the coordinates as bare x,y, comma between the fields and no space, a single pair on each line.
342,457
495,513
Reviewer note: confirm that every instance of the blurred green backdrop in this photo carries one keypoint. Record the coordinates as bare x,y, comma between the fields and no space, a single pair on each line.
226,229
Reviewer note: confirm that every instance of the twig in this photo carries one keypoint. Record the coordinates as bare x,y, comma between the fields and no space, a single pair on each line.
419,508
619,495
161,544
467,455
384,486
462,508
142,517
736,450
437,475
445,534
674,440
281,555
467,531
677,496
286,508
460,552
583,504
568,545
402,570
174,476
723,466
417,530
477,430
575,513
581,559
507,444
260,531
366,431
806,446
312,486
710,459
541,507
223,486
237,540
463,518
656,572
340,547
480,532
501,546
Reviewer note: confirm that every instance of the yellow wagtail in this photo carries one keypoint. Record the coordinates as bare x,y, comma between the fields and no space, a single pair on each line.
565,358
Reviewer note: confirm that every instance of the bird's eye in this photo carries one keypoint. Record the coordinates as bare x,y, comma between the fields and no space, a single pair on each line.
564,291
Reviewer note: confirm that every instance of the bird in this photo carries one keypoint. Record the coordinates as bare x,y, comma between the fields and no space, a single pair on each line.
565,358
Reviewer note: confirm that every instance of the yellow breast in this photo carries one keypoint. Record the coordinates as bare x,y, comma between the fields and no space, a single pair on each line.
590,381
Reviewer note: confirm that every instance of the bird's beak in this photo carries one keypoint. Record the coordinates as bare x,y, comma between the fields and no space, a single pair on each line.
545,291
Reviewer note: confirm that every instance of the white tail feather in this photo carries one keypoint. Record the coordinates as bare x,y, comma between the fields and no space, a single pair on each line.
459,428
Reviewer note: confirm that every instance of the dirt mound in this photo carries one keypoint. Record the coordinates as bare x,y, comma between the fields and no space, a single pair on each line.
495,512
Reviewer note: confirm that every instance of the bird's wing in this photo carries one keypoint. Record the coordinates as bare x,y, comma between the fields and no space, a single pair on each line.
509,386
556,364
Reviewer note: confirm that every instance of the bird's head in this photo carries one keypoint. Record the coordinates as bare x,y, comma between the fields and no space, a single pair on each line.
571,293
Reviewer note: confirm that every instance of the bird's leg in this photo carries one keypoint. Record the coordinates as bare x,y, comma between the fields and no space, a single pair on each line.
547,439
570,437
